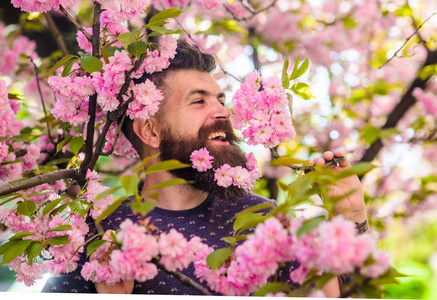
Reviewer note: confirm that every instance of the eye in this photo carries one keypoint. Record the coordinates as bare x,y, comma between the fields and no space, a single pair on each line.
200,101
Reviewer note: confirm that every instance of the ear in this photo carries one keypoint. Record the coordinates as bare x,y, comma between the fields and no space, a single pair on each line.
148,131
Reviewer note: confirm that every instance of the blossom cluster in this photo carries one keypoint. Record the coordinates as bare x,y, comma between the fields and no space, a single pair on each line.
133,261
42,5
333,247
225,175
94,188
60,258
261,111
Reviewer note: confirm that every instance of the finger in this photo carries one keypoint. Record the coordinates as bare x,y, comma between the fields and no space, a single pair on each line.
328,155
319,161
345,162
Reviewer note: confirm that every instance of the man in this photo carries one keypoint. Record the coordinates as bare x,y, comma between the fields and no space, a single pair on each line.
192,116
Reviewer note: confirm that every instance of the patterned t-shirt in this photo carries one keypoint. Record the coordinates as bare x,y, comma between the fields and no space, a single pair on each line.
209,221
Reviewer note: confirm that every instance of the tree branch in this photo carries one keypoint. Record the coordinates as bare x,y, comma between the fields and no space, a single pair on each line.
38,180
42,100
56,34
75,23
92,106
406,41
401,108
183,278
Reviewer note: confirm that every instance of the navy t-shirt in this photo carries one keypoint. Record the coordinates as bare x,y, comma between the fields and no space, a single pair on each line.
209,221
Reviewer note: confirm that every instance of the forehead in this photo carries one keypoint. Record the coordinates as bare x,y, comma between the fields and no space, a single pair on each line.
182,83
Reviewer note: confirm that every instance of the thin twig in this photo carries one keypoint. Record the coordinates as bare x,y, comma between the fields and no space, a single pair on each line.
116,136
56,34
407,40
253,13
183,278
42,100
73,20
38,180
201,48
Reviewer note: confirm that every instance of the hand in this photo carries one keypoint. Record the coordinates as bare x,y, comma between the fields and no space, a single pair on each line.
352,206
122,287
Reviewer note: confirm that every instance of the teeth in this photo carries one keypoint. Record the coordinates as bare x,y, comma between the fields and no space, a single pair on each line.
220,134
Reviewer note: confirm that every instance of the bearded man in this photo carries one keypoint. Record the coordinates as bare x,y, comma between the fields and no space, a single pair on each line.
192,116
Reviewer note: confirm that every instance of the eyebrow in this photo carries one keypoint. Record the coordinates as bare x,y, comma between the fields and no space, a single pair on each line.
205,93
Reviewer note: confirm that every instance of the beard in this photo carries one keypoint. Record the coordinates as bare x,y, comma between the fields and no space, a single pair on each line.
174,146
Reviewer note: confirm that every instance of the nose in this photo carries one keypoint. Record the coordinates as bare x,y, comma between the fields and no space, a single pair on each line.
220,111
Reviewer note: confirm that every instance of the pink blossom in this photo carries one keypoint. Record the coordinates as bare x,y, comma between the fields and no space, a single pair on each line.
428,100
201,160
83,42
252,163
380,267
298,275
36,5
146,100
223,176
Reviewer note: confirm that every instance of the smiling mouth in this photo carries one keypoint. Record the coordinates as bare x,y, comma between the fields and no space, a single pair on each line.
217,136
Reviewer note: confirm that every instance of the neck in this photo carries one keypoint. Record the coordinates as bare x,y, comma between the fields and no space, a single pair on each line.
175,197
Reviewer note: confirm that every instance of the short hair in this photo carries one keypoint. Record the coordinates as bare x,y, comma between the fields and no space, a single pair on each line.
187,57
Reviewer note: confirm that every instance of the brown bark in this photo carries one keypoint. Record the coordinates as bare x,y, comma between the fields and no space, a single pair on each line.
407,101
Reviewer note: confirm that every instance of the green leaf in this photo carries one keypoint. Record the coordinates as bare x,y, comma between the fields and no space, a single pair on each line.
166,165
107,193
130,183
289,161
349,23
48,208
167,183
68,66
249,220
58,240
93,246
60,228
143,207
110,209
358,169
76,144
91,64
284,76
145,162
310,225
61,62
59,209
63,143
137,48
295,68
166,14
13,197
14,249
302,90
273,287
257,207
301,70
20,235
34,250
158,29
79,207
369,134
215,259
26,208
127,38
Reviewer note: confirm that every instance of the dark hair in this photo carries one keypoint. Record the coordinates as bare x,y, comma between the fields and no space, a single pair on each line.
187,57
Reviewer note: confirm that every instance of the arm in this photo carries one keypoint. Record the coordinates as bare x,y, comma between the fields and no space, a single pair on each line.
351,207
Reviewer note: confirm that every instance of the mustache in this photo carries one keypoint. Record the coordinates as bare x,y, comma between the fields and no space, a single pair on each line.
220,125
